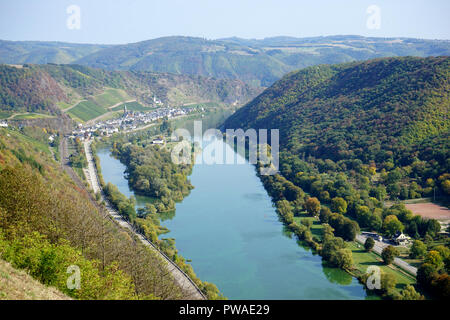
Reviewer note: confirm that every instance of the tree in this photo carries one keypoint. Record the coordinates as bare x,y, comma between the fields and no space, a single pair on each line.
418,249
409,293
433,227
312,205
307,223
426,274
284,209
445,254
388,254
335,252
392,225
350,230
324,215
339,205
441,286
343,259
446,186
434,258
368,244
388,282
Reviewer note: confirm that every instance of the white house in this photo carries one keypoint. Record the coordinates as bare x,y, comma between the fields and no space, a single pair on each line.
158,141
401,238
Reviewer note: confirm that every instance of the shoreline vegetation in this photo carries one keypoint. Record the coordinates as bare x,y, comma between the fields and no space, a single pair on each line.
332,236
316,228
170,184
348,147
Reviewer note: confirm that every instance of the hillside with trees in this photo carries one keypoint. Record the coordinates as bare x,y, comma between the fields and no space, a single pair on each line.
48,224
256,62
49,88
42,52
354,136
378,121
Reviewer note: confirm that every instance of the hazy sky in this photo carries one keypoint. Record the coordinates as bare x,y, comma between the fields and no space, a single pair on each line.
124,21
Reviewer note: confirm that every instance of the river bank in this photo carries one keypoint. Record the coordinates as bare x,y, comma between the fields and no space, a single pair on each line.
97,184
234,239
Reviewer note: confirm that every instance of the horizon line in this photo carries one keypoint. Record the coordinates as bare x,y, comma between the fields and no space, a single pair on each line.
227,38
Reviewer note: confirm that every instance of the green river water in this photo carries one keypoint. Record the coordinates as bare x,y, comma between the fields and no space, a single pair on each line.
229,229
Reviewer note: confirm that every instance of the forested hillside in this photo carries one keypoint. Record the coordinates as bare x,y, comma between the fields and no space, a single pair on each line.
41,52
48,224
387,114
352,137
49,88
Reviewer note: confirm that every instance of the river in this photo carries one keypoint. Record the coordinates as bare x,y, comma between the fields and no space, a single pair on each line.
229,229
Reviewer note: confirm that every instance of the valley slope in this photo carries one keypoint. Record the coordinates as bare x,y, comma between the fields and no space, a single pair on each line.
47,89
256,62
356,139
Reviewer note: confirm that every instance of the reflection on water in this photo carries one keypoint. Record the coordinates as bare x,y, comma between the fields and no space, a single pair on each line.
169,215
335,275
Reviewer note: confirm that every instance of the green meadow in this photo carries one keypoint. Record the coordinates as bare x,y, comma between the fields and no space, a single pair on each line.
132,106
87,110
111,97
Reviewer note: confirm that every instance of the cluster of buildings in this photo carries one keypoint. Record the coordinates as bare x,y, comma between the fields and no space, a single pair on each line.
129,121
3,124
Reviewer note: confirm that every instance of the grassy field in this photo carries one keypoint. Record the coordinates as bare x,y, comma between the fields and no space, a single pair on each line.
132,106
99,104
5,114
111,97
316,228
87,110
25,116
63,105
363,259
39,146
18,285
203,105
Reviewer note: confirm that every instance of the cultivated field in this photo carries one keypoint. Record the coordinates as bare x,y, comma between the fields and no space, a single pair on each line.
87,110
111,97
131,106
429,210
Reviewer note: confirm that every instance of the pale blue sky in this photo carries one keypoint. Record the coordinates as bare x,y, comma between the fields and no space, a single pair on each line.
125,21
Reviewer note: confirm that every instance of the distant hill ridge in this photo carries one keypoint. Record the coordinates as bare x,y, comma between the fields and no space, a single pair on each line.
49,88
257,62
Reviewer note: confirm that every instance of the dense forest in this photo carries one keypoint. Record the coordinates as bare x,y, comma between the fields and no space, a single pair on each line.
379,121
151,172
354,136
